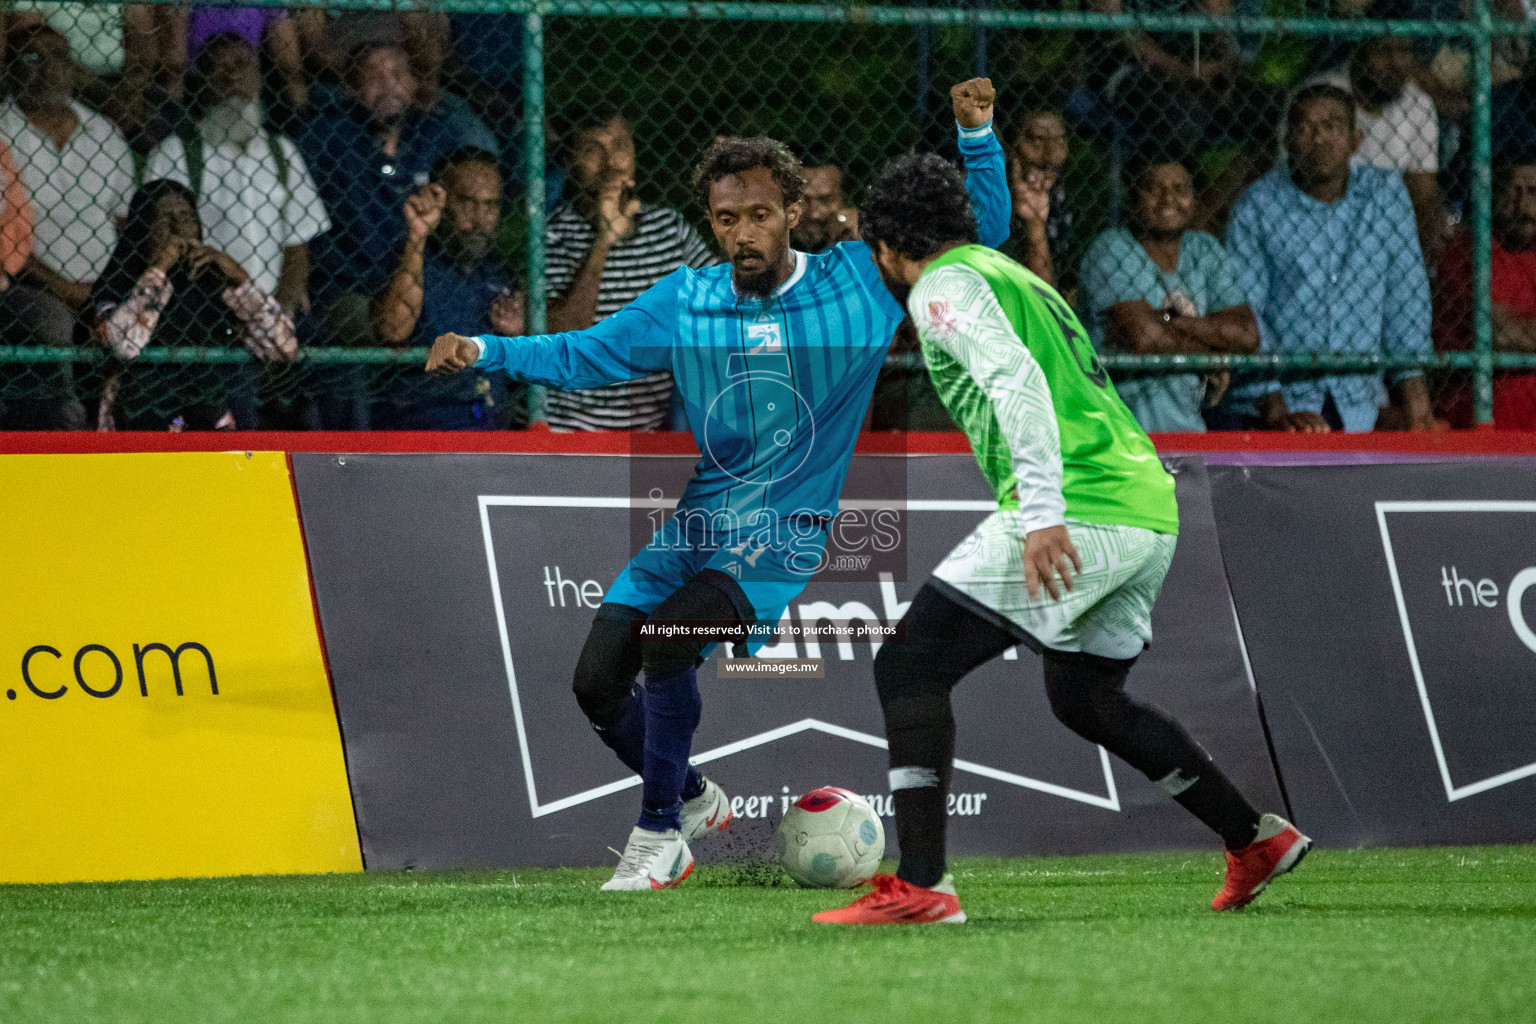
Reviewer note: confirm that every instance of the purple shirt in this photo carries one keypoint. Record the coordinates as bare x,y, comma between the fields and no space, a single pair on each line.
250,23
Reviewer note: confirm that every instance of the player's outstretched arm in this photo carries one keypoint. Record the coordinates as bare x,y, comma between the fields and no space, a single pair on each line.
452,353
986,177
631,343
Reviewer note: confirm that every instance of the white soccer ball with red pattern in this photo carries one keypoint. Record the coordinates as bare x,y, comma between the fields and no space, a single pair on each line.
831,839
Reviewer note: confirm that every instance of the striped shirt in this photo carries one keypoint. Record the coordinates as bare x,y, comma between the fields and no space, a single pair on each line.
662,242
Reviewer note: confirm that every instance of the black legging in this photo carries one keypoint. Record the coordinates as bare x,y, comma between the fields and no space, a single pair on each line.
944,640
610,660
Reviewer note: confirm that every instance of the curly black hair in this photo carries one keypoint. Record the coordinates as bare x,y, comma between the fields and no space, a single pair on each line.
917,205
732,155
464,155
1155,154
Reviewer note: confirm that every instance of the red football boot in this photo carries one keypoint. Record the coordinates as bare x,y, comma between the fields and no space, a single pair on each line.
1278,848
896,902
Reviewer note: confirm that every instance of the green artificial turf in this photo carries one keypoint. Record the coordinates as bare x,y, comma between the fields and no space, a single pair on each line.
1389,935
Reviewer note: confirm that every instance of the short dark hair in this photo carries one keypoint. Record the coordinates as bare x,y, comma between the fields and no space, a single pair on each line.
590,117
1506,160
202,64
1038,106
917,205
1365,44
367,47
213,44
1156,155
819,156
733,155
1320,91
19,37
465,155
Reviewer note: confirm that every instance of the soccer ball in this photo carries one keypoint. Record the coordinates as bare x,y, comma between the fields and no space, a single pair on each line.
831,839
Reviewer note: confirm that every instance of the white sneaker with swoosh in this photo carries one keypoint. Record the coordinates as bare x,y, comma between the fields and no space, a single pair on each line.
707,813
652,860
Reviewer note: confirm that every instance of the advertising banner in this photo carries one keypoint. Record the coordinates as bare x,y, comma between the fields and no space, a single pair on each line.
456,591
165,709
1390,616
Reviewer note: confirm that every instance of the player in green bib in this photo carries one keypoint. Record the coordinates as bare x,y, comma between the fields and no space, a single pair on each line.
1069,565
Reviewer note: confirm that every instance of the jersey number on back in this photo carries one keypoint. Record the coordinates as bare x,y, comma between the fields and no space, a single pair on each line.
1077,342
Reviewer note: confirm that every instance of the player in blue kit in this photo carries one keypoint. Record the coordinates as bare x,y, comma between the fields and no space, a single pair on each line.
775,356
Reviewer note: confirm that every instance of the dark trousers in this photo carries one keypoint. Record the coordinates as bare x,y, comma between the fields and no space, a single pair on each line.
37,396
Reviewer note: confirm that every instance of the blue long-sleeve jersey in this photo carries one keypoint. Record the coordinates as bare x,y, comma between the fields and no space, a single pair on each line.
775,389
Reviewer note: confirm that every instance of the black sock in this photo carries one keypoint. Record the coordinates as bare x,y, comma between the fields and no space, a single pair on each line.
1087,693
1166,753
942,642
1217,802
920,830
920,793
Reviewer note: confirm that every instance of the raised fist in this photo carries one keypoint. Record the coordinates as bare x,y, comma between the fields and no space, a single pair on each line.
1031,192
452,353
617,206
972,101
423,209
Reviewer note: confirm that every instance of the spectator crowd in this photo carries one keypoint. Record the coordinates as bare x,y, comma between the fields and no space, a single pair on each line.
273,181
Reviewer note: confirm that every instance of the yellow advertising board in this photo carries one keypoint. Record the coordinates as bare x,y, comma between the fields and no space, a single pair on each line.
164,708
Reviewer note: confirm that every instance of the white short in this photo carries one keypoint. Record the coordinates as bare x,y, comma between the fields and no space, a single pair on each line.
1108,612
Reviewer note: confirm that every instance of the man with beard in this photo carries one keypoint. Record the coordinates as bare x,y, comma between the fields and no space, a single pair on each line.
1399,131
1070,564
448,280
366,158
1326,251
1513,291
775,357
827,219
256,199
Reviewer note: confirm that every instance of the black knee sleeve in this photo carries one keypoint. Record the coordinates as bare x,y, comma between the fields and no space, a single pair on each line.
609,663
942,640
710,596
1087,695
672,657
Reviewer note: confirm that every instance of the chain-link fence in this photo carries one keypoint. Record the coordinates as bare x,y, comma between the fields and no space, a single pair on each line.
1278,214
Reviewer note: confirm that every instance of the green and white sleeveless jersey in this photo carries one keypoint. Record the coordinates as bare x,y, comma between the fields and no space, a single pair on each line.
1014,367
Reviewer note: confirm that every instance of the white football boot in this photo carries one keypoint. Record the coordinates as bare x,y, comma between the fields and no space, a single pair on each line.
707,813
652,860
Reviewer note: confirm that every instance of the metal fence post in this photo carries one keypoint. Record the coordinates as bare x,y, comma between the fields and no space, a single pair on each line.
534,143
1482,212
954,16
